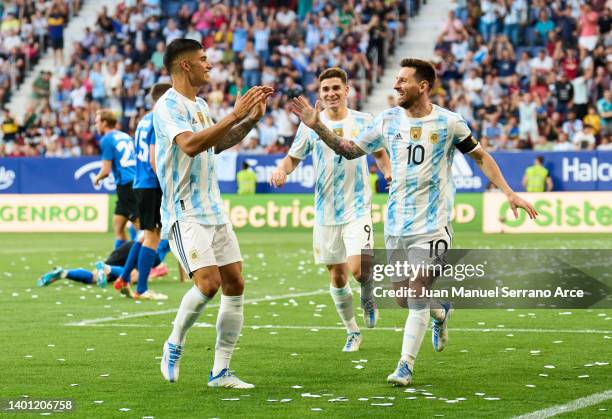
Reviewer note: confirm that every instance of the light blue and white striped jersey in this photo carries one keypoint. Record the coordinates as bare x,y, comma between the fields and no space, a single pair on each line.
189,185
342,190
421,152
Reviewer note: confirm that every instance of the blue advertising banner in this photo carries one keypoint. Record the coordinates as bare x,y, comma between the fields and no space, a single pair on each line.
570,171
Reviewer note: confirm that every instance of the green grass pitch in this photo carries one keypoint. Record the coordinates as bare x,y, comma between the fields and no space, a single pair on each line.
499,363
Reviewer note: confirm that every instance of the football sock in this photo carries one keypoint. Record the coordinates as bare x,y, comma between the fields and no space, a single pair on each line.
343,299
414,331
163,249
146,258
229,325
131,261
118,243
115,271
132,231
191,307
79,275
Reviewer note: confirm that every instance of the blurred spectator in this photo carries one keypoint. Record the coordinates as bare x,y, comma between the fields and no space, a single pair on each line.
584,139
246,180
537,178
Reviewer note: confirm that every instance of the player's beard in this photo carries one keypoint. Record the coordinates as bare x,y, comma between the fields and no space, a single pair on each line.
407,100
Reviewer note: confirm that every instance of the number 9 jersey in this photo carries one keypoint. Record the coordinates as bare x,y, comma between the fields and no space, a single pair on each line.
421,152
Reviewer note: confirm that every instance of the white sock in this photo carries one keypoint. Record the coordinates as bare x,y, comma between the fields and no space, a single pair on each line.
191,307
343,299
229,325
414,331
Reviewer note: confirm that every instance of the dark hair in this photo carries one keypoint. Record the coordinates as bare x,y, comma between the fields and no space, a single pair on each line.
178,47
540,159
245,165
158,90
332,72
424,70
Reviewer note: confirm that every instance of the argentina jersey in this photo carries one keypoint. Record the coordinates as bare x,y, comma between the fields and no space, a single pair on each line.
118,147
145,177
421,152
189,184
342,190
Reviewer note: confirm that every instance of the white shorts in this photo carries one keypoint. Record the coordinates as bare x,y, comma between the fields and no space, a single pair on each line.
334,244
198,246
428,248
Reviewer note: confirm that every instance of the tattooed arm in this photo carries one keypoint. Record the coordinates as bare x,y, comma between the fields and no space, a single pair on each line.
342,147
310,117
235,135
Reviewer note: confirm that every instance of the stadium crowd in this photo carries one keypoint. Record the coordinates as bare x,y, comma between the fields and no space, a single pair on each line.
526,74
529,74
121,57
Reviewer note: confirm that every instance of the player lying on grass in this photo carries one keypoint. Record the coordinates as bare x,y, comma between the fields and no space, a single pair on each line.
421,139
107,270
343,221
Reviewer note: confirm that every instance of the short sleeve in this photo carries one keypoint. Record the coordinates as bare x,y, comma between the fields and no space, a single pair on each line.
462,137
172,118
107,148
371,138
302,144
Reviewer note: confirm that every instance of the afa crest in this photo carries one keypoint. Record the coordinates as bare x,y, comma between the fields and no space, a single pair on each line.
339,131
434,137
415,133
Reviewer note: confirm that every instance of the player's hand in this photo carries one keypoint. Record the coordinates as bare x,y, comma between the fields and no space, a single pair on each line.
96,180
244,104
516,201
259,110
307,114
388,178
278,178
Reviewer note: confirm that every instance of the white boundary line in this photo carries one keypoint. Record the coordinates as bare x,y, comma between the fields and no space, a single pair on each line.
577,404
88,322
306,327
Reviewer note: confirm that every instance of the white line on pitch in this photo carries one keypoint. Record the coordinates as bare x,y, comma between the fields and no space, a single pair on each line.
577,404
385,329
173,310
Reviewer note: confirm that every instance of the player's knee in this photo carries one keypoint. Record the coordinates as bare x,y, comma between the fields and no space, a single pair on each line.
357,273
208,284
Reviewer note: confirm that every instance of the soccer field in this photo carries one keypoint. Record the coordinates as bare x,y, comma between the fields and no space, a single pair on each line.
69,341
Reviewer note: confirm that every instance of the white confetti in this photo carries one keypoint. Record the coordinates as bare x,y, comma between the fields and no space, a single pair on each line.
104,375
124,409
550,367
73,385
232,399
583,376
285,400
558,341
28,356
296,386
480,394
316,409
359,367
492,398
543,375
313,396
530,385
363,399
381,404
98,401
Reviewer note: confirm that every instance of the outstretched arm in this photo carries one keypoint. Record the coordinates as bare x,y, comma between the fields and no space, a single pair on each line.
310,117
284,168
235,135
239,131
491,170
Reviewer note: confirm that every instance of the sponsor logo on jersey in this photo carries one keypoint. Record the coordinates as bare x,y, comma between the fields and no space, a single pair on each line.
398,137
415,133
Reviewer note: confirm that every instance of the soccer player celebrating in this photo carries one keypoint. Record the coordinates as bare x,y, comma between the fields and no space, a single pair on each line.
193,215
421,139
343,222
118,158
149,195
